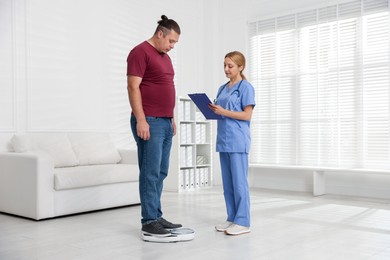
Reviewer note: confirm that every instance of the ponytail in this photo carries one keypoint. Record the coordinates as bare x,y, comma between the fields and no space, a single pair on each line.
239,59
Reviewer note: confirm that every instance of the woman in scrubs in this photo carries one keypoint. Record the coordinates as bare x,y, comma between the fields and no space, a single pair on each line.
235,102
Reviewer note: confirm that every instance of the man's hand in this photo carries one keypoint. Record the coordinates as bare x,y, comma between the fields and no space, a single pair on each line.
174,126
143,130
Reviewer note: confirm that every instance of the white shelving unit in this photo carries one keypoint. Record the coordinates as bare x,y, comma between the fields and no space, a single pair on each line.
191,163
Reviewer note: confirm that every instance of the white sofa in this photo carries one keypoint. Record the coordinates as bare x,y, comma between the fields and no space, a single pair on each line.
55,174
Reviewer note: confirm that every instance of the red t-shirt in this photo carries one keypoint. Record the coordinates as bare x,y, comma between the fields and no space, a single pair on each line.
157,86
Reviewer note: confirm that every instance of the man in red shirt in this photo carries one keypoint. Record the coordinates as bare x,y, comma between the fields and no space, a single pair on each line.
151,92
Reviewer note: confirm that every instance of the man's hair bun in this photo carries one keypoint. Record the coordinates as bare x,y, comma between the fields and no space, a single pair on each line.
167,24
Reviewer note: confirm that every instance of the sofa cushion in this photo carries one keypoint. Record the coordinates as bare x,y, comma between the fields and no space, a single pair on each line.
56,145
93,175
94,148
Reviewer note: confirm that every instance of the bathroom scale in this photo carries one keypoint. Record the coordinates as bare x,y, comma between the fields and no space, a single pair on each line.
177,235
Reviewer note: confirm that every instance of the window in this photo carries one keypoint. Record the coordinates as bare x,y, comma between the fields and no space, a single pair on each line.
322,87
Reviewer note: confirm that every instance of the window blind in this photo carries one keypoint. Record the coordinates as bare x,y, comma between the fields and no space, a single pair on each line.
322,87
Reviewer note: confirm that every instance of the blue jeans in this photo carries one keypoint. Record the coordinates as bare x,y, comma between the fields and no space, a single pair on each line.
153,162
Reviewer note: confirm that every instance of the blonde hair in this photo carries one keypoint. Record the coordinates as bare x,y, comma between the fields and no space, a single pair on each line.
239,59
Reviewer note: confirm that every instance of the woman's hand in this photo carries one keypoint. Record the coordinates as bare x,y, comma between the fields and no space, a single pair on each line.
217,109
239,115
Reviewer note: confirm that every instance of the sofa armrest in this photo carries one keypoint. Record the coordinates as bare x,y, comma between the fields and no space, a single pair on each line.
26,184
128,156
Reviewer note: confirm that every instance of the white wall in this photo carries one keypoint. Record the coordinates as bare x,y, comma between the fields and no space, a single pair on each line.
265,9
63,68
63,62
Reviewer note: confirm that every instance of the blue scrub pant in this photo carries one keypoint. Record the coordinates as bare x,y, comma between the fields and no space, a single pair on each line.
153,162
234,168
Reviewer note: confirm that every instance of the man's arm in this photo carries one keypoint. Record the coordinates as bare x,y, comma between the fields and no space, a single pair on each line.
134,92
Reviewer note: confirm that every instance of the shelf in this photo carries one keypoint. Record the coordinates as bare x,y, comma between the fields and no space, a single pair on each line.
191,152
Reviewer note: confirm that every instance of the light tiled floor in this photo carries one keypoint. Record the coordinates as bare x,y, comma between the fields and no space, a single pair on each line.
285,225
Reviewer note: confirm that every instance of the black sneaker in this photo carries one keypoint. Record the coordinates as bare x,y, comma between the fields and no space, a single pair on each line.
155,229
168,225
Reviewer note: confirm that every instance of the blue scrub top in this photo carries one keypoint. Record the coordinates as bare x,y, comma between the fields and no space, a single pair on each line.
234,135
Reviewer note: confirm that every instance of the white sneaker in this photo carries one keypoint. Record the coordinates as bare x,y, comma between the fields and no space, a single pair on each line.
235,229
223,226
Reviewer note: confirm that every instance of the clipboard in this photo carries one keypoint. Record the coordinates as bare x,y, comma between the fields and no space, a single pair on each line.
202,101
